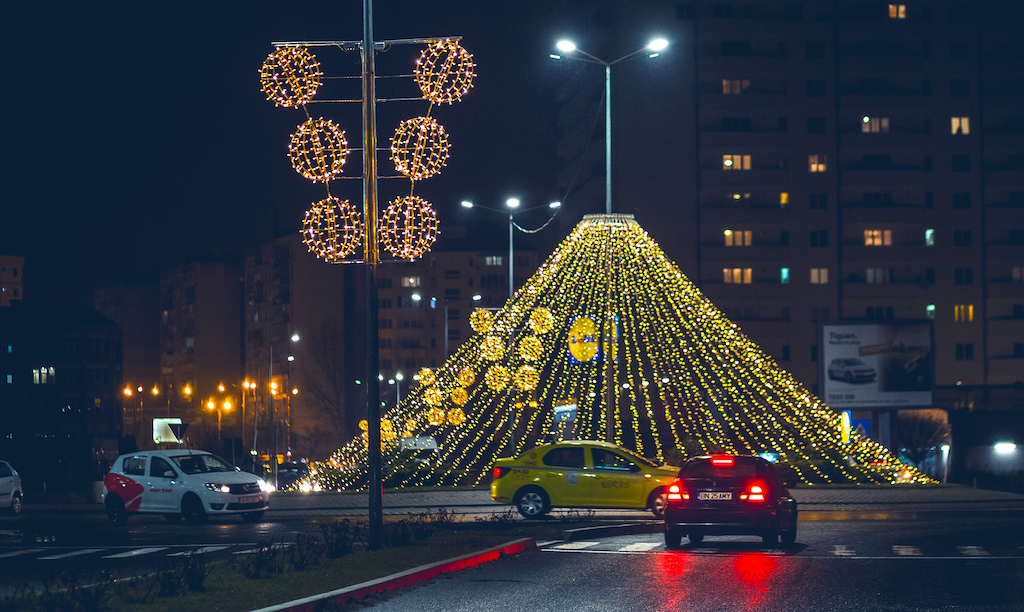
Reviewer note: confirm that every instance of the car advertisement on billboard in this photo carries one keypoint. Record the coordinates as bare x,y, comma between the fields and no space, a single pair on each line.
877,365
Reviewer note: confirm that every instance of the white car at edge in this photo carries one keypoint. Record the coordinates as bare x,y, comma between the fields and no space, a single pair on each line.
181,483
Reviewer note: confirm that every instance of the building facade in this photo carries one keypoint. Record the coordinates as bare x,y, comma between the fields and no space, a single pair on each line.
12,279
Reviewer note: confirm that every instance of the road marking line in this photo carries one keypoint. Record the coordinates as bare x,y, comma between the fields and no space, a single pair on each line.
973,551
544,543
138,552
198,551
640,546
907,551
21,552
840,550
575,545
74,553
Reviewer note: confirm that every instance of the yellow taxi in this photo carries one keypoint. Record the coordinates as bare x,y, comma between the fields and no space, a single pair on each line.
580,473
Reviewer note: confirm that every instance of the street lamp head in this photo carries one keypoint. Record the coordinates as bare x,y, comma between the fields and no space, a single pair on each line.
657,45
467,204
295,337
512,202
399,377
477,297
555,205
416,297
566,46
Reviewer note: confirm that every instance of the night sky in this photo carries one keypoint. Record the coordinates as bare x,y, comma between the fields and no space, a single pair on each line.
138,137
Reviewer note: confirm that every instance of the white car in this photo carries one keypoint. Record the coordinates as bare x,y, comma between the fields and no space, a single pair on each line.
851,370
10,489
181,483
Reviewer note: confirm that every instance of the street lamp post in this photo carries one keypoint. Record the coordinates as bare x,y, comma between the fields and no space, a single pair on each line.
445,301
569,51
512,204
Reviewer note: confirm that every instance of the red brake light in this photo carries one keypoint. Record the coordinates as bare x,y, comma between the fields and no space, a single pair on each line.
722,461
676,492
755,492
500,471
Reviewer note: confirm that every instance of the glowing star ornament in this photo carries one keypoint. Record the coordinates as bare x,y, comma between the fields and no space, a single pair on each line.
318,150
445,72
332,229
290,76
419,148
408,227
481,320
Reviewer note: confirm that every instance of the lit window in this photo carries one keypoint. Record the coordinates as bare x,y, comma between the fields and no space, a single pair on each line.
784,276
10,378
783,199
410,281
960,125
963,313
819,276
738,238
735,162
737,196
874,125
929,237
876,275
734,86
930,311
817,163
897,11
1017,275
736,276
494,260
877,237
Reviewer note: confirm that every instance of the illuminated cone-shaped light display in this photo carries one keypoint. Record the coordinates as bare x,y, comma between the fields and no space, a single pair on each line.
685,380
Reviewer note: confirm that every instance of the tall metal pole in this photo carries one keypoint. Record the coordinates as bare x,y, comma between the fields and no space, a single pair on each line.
510,256
608,139
375,485
272,434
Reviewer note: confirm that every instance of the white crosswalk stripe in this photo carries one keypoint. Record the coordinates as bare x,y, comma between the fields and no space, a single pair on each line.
73,553
641,546
17,553
973,551
575,545
198,551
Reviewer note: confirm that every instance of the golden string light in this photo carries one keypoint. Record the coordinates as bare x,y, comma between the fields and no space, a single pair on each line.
332,229
481,320
466,377
456,416
426,377
690,381
318,150
541,320
408,227
290,76
419,148
445,72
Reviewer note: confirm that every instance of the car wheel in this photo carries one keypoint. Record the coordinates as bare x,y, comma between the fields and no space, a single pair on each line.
192,509
532,502
696,538
172,517
789,537
770,537
673,539
115,510
657,502
15,508
252,517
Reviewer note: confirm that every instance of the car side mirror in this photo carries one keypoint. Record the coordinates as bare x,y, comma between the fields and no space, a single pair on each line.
238,469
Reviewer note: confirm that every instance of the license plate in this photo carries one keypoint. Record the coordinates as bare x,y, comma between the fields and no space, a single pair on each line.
714,495
249,499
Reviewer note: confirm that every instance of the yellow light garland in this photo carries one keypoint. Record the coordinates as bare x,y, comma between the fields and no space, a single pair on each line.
434,396
541,320
531,348
456,416
459,396
526,378
426,377
466,377
435,416
481,320
497,378
493,348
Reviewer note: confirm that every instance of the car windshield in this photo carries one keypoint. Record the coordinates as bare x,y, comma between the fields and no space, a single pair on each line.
639,459
201,464
703,468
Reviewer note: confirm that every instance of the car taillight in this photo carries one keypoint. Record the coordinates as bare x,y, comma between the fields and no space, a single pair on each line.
755,492
722,461
676,493
500,471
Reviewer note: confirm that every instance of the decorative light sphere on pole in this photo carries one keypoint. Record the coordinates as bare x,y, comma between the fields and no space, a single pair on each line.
445,72
290,76
318,150
332,229
419,148
408,227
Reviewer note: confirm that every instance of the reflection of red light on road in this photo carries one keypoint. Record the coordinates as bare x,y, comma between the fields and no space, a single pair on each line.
754,570
670,569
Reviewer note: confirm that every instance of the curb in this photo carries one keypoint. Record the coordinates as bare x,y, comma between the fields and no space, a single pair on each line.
401,579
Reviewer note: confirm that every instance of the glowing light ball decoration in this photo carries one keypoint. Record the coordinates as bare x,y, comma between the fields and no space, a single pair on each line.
497,378
332,229
408,227
542,320
456,416
434,396
435,416
459,396
526,378
318,150
493,348
466,377
426,377
481,320
419,148
531,348
290,76
445,72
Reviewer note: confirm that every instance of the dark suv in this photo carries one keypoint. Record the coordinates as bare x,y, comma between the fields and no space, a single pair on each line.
729,495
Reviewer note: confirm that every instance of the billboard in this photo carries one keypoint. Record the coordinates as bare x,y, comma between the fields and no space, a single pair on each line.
877,365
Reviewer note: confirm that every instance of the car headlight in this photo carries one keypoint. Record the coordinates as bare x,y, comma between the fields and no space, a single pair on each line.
220,488
265,486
